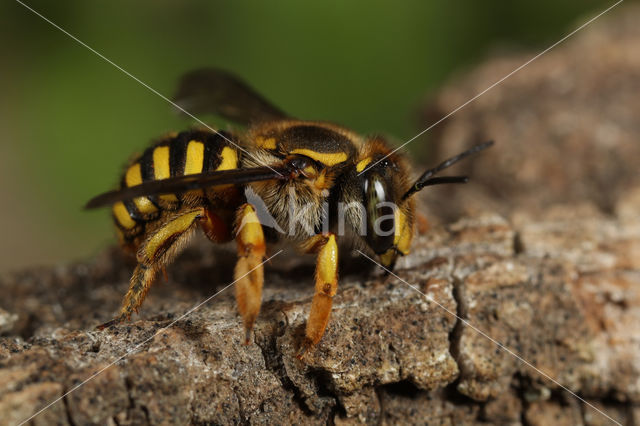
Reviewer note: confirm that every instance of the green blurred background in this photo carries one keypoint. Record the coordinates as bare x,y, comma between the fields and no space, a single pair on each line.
70,120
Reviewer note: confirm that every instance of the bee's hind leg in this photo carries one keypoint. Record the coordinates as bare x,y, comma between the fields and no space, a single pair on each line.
248,274
156,252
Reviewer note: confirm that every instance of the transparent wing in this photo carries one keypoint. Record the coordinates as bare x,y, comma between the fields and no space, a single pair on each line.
211,90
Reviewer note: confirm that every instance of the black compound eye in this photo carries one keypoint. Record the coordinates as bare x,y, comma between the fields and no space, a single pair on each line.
380,209
300,162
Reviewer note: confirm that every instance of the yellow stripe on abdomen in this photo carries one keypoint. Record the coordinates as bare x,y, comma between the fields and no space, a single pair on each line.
161,163
229,159
194,161
195,158
122,216
162,170
133,177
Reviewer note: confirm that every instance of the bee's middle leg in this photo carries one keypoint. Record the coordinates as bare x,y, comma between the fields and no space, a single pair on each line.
249,273
326,287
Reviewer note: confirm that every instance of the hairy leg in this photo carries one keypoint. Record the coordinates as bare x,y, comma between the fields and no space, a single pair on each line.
326,286
154,254
249,273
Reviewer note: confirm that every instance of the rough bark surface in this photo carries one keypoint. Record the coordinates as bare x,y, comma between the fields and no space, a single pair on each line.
545,261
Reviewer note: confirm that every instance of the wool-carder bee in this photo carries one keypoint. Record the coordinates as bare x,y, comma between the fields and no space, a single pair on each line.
319,182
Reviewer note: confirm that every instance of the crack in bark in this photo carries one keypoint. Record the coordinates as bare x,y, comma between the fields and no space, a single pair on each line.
275,365
455,336
67,408
132,403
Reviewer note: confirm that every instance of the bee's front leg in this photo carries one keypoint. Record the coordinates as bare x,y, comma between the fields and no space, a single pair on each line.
326,287
249,273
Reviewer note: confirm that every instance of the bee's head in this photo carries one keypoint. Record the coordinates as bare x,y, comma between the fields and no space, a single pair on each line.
386,223
387,197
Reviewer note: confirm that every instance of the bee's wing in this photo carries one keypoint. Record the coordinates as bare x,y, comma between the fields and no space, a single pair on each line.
178,184
211,90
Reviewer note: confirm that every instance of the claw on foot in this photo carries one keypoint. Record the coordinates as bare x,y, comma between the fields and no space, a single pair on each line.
116,320
306,345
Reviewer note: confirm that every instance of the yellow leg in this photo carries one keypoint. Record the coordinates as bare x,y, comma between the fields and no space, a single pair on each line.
325,288
158,250
249,273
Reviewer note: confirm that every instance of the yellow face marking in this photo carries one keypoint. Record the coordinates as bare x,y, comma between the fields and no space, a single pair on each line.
229,159
329,159
171,230
269,143
388,257
398,225
133,176
362,164
161,163
122,215
195,158
404,233
401,240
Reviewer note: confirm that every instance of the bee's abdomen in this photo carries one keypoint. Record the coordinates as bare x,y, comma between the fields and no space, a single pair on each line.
182,154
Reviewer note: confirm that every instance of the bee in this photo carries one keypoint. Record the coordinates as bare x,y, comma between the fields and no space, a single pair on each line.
320,183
